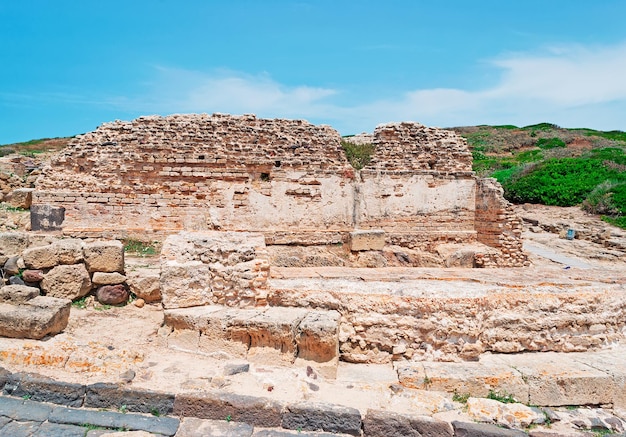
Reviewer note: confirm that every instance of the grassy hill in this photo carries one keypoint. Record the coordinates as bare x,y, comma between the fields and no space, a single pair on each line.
550,165
35,147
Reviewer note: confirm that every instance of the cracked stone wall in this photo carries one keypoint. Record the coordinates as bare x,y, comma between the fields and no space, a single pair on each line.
287,179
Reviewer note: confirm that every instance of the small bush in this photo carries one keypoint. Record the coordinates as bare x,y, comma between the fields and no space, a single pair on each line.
359,155
550,143
141,248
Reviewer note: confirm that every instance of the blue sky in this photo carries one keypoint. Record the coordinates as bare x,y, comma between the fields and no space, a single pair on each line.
69,65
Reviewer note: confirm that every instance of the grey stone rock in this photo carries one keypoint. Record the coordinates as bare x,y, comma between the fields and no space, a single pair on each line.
43,389
194,427
103,395
15,293
46,217
108,419
20,429
35,318
235,368
21,410
3,421
468,429
16,280
4,377
215,405
59,430
10,266
322,417
388,424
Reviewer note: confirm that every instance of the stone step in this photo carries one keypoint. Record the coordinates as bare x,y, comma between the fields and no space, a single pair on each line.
543,378
268,335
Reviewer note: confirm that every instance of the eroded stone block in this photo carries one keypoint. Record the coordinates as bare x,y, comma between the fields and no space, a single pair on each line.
372,239
36,318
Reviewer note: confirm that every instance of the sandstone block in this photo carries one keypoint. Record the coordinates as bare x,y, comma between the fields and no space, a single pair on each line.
17,293
185,285
102,278
112,294
104,256
67,281
272,337
12,244
145,284
69,251
36,318
317,340
361,240
41,257
20,198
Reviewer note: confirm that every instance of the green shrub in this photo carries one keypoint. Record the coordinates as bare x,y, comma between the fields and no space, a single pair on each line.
550,143
141,248
359,155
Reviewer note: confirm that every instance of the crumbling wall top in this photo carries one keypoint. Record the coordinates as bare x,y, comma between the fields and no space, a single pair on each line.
411,146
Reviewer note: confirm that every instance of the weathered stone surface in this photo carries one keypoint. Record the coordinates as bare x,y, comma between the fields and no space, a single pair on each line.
17,293
12,244
36,318
317,340
24,410
325,417
202,268
112,294
70,251
44,389
378,423
32,276
371,239
48,429
11,267
108,419
45,217
235,368
41,257
218,406
20,198
104,256
468,429
103,395
194,427
67,281
145,284
114,278
511,415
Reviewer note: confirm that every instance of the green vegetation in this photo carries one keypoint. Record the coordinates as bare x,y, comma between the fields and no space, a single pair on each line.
462,398
141,248
359,155
536,164
503,397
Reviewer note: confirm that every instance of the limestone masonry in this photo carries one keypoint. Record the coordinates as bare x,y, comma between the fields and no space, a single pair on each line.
287,179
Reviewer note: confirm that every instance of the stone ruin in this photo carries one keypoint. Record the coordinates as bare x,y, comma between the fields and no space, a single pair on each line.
224,192
286,179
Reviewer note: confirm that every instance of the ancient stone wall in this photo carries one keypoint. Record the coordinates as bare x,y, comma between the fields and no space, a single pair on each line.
287,179
498,226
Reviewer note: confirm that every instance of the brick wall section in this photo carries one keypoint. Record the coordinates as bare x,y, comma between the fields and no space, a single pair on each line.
498,226
412,146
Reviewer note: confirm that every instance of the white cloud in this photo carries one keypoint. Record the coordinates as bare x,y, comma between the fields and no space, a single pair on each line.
568,85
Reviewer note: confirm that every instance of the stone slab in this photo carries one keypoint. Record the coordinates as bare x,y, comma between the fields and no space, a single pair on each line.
220,406
36,318
194,427
556,379
60,430
605,361
108,419
475,379
43,389
20,429
377,423
468,429
314,416
24,410
104,395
